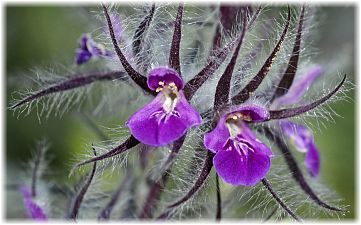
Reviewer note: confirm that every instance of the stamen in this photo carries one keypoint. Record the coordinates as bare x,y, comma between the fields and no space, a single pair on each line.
161,83
159,89
172,84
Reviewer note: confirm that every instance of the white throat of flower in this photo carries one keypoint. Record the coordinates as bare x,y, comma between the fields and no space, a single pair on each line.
234,123
171,95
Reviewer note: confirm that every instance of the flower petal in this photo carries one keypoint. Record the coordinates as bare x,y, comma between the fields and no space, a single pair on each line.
82,56
216,139
312,160
300,135
151,125
237,169
34,211
298,88
166,75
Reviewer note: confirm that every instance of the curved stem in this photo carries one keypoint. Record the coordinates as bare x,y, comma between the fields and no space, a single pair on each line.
296,171
72,83
80,196
279,200
138,78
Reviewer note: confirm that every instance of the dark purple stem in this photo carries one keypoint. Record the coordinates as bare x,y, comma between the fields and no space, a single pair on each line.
296,171
74,82
219,200
105,213
156,188
214,63
128,144
208,164
279,200
248,90
174,61
291,112
224,83
80,196
291,70
138,78
141,31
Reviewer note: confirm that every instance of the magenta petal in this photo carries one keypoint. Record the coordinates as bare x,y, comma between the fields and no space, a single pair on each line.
151,125
165,75
300,135
236,169
312,160
82,56
33,210
216,139
299,87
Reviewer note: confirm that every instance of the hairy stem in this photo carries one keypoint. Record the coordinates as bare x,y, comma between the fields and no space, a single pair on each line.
174,61
291,112
296,171
279,200
72,83
291,70
252,86
138,78
80,196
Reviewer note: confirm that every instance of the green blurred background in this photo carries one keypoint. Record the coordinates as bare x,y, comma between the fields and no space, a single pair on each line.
37,36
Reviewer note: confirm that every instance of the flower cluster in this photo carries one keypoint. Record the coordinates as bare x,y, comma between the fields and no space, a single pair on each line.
231,143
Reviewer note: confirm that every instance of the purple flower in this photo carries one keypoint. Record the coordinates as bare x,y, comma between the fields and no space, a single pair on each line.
300,135
241,159
33,210
168,116
303,139
88,49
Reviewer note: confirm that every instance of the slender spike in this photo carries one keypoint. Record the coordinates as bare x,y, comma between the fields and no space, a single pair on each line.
105,213
174,61
296,171
208,164
72,83
291,112
254,17
128,144
291,70
224,83
215,62
279,200
138,78
80,196
246,92
156,188
219,200
141,31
